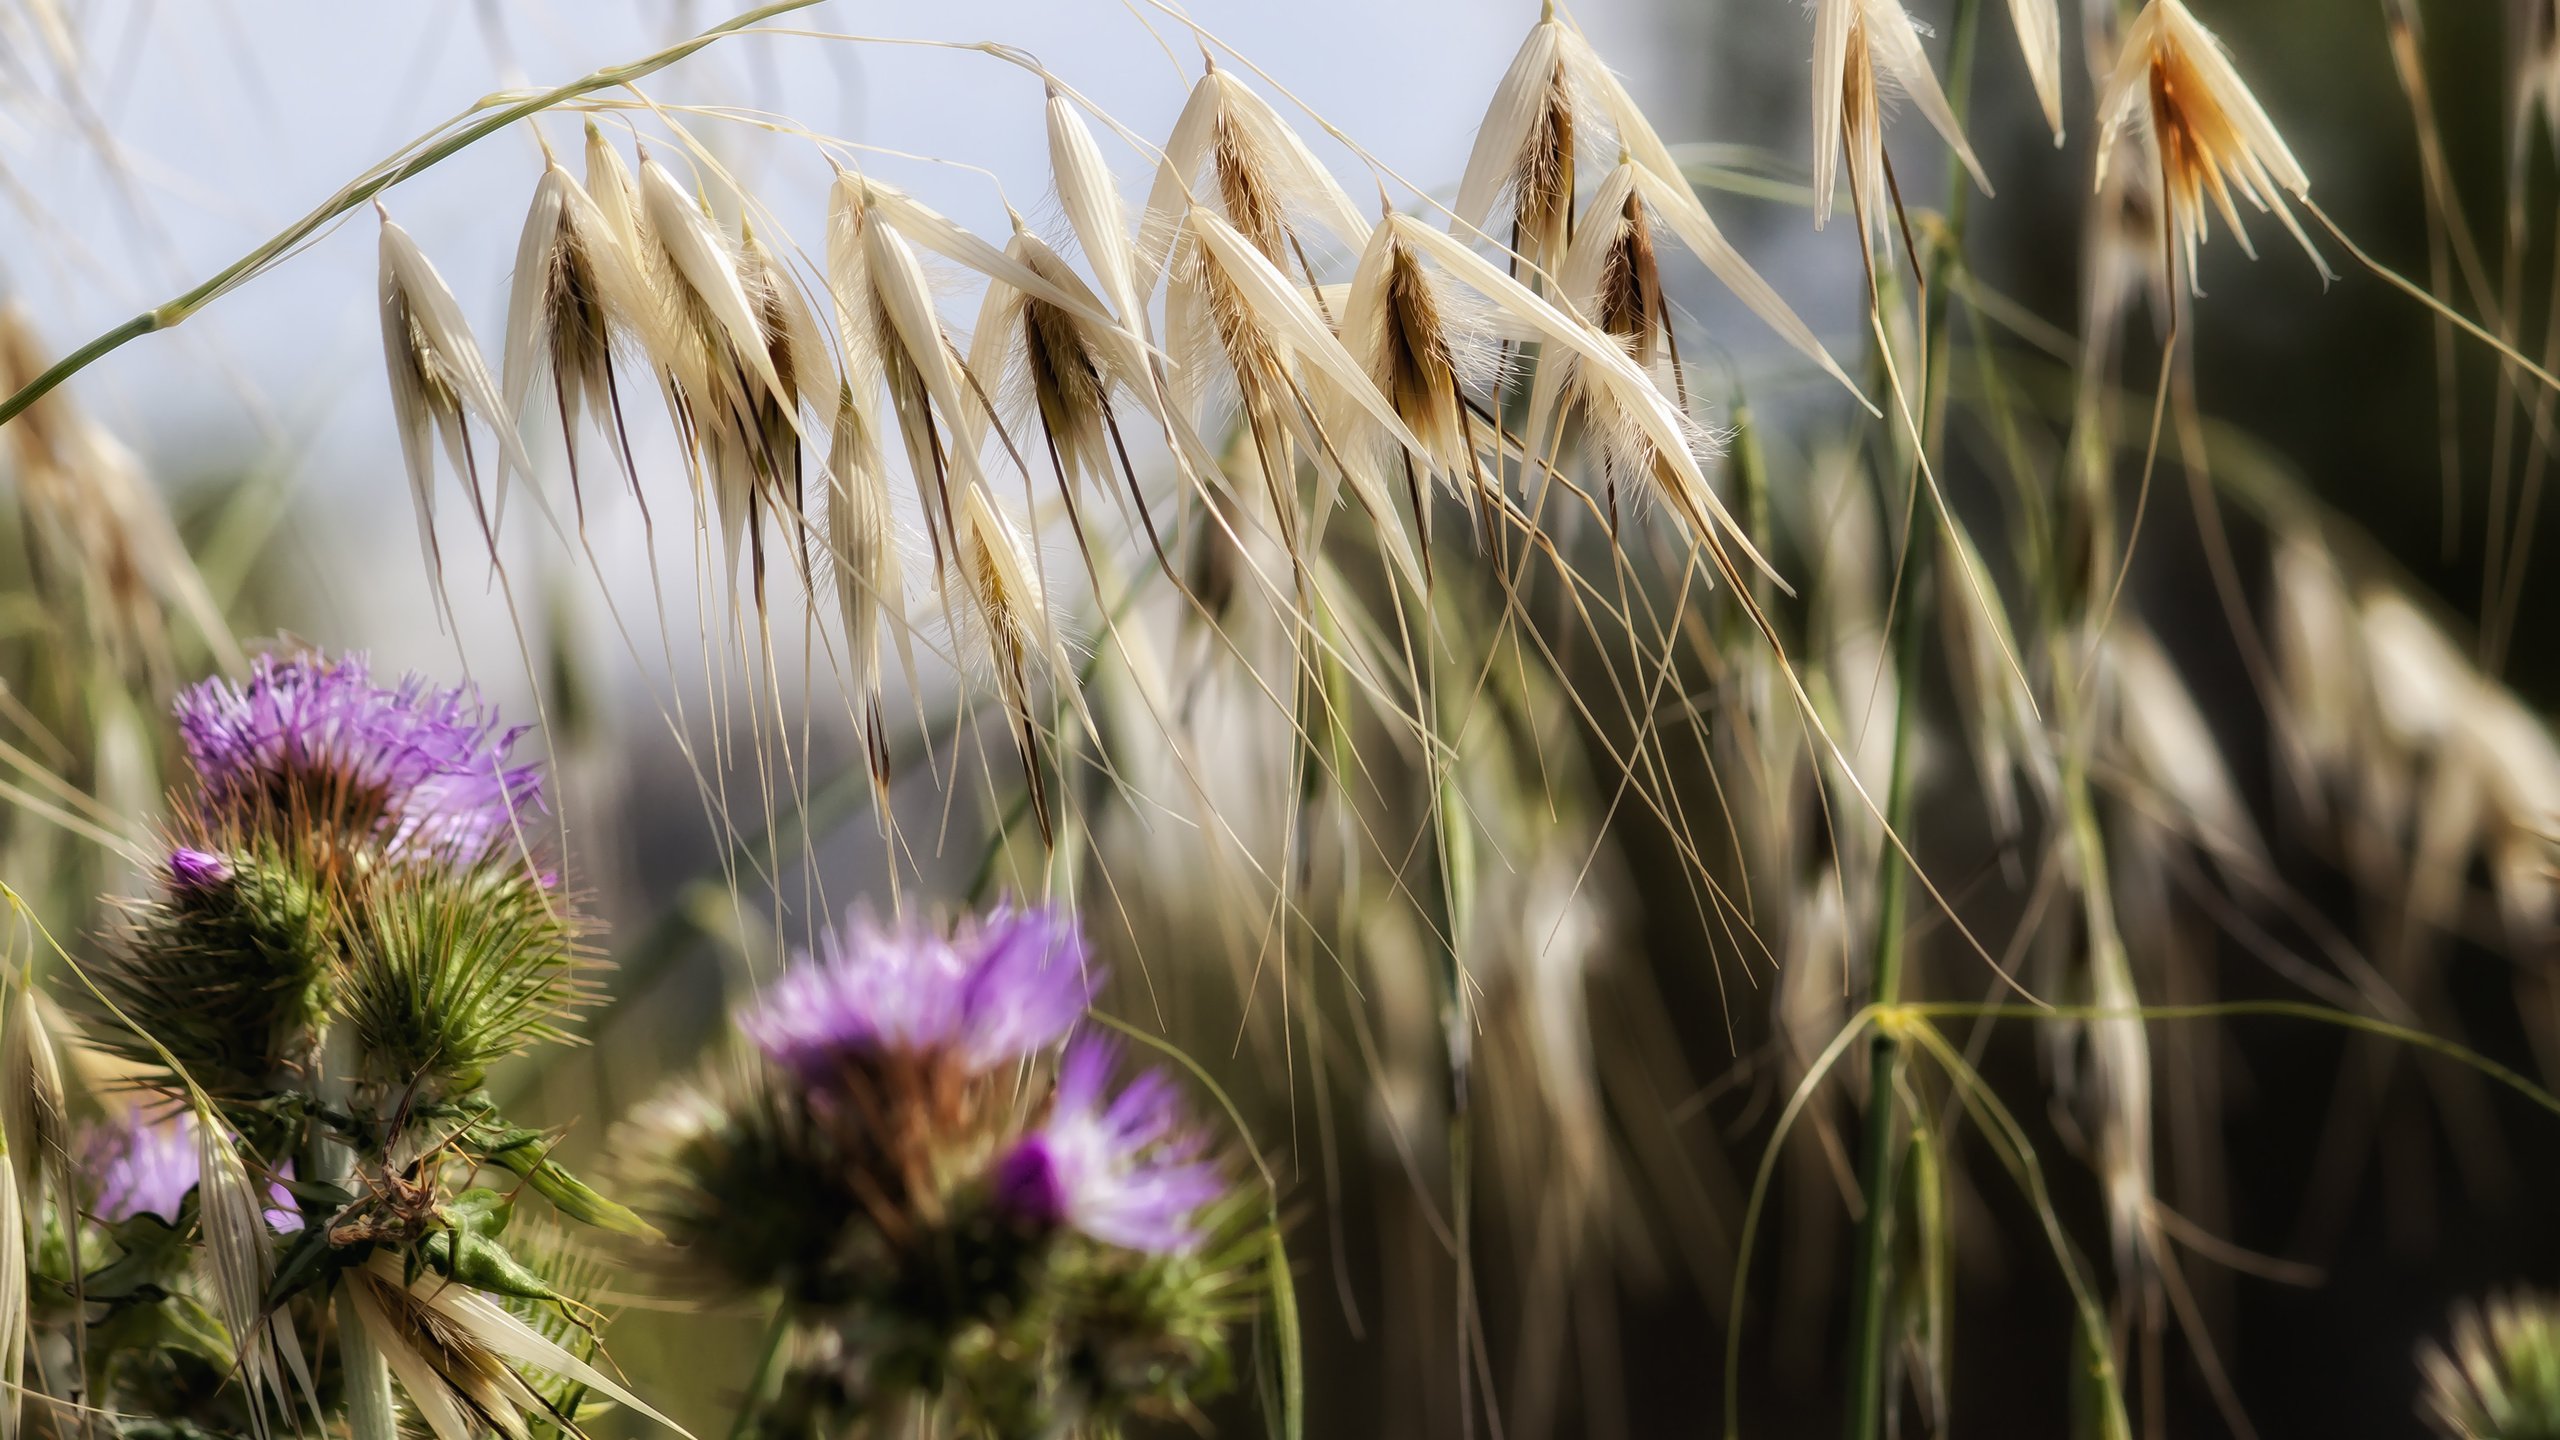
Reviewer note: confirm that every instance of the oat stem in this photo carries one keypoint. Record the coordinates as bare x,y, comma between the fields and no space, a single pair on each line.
418,156
1870,1374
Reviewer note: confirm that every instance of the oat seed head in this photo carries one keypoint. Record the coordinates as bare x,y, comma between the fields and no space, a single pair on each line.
2208,135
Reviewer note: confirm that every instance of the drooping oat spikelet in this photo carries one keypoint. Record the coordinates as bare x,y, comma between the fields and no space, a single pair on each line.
2208,135
1526,144
726,350
1051,355
575,276
1640,432
1428,354
1860,47
437,379
806,379
2171,747
459,1390
2533,74
886,317
2039,27
1229,294
2009,740
1091,198
862,543
1010,610
233,1212
1612,271
2316,642
454,1350
33,1109
1261,176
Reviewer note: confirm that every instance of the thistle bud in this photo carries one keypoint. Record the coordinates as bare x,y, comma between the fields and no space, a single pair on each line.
195,873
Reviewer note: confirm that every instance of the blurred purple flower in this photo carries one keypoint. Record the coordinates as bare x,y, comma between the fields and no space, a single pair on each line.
997,988
1125,1172
134,1164
433,761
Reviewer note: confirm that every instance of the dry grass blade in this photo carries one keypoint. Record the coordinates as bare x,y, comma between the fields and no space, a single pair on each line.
233,1213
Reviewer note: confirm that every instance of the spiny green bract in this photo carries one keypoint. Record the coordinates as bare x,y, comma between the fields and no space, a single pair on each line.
448,971
234,977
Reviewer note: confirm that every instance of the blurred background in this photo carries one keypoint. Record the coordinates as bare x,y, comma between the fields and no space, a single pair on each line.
186,133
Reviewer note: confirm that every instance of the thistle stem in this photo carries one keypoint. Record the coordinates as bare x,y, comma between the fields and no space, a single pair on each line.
1870,1374
328,1160
495,113
768,1373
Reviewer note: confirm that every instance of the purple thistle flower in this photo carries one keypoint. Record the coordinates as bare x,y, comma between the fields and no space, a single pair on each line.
192,872
1125,1172
429,766
135,1164
996,989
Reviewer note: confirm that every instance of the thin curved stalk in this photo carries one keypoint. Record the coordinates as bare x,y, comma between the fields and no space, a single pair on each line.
420,155
1870,1373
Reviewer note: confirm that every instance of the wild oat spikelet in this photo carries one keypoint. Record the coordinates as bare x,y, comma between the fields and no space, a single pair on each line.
1228,294
727,350
1009,608
886,315
437,378
575,274
805,379
1047,357
233,1212
2533,51
1426,347
2208,134
2039,27
1526,144
862,544
455,1350
33,1108
1861,47
1261,176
